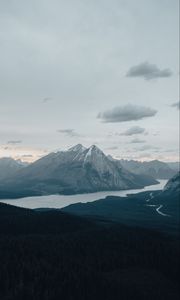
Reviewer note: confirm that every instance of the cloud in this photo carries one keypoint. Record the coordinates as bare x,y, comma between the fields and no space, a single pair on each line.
112,148
14,142
176,104
137,141
171,150
133,130
68,132
156,133
47,99
126,113
147,147
148,71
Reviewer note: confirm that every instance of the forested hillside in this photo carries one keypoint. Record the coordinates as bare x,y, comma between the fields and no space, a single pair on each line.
53,255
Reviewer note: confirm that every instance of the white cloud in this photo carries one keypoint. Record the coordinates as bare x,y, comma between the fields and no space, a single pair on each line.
133,130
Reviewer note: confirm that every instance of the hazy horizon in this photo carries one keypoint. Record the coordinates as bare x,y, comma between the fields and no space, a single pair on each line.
30,159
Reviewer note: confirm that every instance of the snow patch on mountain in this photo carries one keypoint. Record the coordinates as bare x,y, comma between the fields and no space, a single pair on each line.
77,148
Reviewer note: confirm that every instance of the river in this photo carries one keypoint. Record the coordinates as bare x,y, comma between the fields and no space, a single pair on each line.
60,201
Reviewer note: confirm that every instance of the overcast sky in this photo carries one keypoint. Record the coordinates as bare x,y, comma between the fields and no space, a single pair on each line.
101,72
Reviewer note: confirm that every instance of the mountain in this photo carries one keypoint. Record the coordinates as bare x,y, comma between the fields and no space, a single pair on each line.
167,202
77,170
174,165
154,168
9,166
173,185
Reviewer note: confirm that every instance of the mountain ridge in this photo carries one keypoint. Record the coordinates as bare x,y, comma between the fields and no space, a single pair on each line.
9,166
77,170
155,168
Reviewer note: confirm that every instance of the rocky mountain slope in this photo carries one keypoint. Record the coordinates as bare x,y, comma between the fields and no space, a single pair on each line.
76,170
173,185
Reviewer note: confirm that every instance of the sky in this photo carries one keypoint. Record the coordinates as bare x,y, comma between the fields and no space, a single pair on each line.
91,72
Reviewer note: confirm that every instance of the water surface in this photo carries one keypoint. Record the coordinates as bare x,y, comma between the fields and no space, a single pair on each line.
60,201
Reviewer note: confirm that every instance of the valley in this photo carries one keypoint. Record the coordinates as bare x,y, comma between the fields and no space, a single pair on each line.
78,170
60,201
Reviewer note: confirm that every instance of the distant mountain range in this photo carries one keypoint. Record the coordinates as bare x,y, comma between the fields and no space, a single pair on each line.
174,165
9,167
154,168
77,170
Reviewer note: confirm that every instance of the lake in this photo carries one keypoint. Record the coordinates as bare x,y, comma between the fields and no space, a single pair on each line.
60,201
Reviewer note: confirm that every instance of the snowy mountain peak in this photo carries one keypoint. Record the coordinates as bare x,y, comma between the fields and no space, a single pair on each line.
97,159
95,149
78,169
77,148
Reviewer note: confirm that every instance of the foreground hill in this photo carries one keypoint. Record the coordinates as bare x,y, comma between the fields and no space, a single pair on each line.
78,170
169,199
53,255
152,209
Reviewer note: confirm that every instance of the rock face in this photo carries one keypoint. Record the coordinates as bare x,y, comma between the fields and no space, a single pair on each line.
77,170
173,185
154,168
